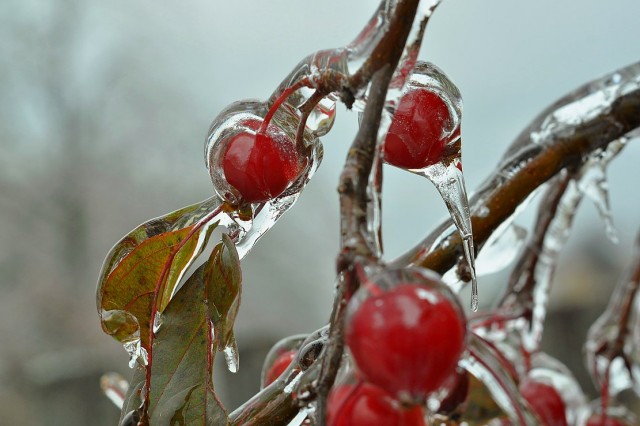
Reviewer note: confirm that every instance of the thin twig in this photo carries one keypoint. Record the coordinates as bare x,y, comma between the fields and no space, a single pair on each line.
621,305
356,240
522,281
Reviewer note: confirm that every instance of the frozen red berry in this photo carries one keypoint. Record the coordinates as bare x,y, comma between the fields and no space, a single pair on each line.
407,340
279,365
417,136
260,166
364,404
545,402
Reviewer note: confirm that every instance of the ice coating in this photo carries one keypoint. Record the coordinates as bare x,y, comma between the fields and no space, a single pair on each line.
250,225
501,249
587,103
546,369
446,173
291,343
558,232
523,150
612,348
615,415
449,182
593,183
482,364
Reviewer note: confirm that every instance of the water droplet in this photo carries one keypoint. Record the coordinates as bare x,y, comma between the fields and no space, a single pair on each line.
232,357
157,322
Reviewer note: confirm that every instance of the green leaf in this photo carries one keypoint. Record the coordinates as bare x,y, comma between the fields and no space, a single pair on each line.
151,258
223,278
182,366
133,398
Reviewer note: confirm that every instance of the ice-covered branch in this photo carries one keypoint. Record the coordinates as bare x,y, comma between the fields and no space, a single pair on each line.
563,136
611,353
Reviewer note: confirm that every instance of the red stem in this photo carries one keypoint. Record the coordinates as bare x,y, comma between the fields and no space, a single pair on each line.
283,97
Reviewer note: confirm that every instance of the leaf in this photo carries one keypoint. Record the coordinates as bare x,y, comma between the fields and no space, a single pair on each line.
133,398
182,366
151,258
223,278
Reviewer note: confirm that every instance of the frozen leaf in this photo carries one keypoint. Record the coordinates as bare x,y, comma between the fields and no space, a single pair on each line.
150,260
182,362
135,394
223,279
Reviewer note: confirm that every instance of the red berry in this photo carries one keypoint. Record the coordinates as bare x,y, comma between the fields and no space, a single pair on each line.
260,166
366,404
457,393
407,340
279,365
545,402
417,135
600,420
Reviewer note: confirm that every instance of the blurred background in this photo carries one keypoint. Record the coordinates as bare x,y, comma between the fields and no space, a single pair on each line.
104,108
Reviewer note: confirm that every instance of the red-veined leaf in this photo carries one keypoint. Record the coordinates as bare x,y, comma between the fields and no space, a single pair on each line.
151,258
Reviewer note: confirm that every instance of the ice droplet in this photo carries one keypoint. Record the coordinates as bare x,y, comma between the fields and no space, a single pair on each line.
157,322
232,357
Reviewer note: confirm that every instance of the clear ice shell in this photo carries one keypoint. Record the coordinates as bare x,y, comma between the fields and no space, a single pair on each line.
546,369
481,362
446,175
501,249
291,343
248,227
558,233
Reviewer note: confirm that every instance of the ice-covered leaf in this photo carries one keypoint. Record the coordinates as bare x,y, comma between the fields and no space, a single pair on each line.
151,259
223,279
182,362
133,399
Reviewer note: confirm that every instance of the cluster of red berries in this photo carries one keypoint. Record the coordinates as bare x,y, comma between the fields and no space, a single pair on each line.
406,332
260,161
